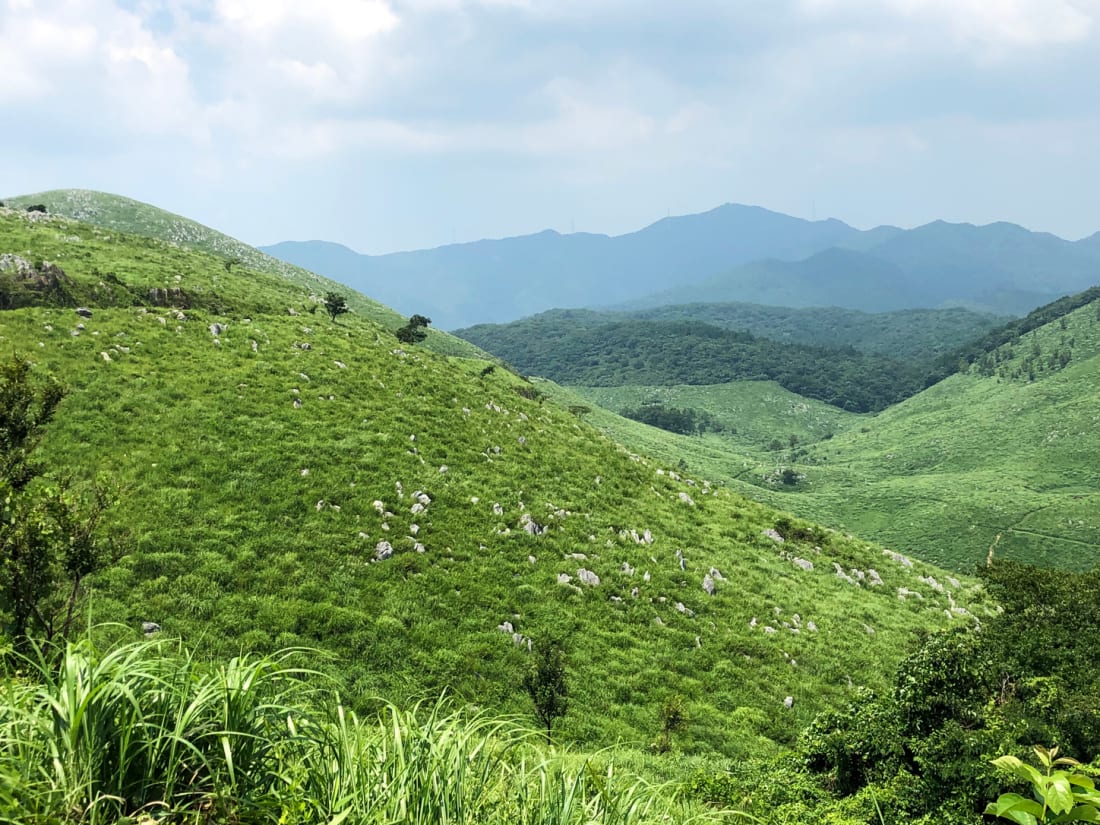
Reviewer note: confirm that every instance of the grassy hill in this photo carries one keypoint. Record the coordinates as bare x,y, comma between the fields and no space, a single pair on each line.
285,480
121,214
1007,448
1003,452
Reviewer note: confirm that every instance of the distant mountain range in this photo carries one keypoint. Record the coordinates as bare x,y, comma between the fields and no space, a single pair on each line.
732,253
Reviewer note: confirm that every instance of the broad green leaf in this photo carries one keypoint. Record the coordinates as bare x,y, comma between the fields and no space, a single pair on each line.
1012,806
1059,793
1082,813
1081,780
1020,769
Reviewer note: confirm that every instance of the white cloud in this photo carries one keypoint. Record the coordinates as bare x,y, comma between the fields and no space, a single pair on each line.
349,21
990,24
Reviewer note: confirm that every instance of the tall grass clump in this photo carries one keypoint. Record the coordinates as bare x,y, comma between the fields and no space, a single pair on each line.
144,730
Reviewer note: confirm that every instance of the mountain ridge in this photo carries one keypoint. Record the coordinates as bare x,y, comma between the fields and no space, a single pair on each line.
732,252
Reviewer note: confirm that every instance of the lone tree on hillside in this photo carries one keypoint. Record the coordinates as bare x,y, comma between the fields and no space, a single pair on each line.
414,331
545,684
48,542
335,304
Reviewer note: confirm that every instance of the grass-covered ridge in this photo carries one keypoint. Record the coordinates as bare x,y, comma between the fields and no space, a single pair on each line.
1004,449
289,481
124,215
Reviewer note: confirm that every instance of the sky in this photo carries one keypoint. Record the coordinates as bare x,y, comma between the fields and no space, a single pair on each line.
403,124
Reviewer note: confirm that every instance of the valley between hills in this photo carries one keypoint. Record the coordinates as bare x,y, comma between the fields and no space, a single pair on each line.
783,611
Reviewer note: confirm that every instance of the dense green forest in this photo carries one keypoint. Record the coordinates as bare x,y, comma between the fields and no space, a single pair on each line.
918,335
688,352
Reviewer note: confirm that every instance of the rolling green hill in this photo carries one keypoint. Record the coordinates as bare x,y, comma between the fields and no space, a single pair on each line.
1005,449
121,214
285,480
1008,448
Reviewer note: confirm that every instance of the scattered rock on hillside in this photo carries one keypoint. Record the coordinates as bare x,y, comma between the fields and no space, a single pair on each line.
217,329
149,628
840,574
686,499
383,550
84,312
708,585
904,561
774,535
803,563
531,526
931,582
588,577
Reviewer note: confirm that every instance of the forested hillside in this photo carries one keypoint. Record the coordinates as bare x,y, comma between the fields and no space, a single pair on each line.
646,353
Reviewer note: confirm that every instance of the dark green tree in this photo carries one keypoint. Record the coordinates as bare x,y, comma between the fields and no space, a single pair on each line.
414,331
674,718
48,541
546,684
335,304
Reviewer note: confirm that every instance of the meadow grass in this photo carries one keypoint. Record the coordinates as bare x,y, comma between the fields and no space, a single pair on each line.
145,732
939,476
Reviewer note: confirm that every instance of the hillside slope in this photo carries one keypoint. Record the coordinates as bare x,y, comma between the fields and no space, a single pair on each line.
121,214
658,352
1002,453
292,481
1006,449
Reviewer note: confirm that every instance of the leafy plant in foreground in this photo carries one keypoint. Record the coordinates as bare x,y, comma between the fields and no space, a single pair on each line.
1060,793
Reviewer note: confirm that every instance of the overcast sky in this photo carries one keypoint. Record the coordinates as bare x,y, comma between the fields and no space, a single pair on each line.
399,124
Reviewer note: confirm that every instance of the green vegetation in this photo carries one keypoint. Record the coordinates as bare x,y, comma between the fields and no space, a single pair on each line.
48,542
1060,795
145,732
325,518
1004,448
917,335
545,682
673,419
922,751
72,245
668,353
290,482
415,331
335,305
